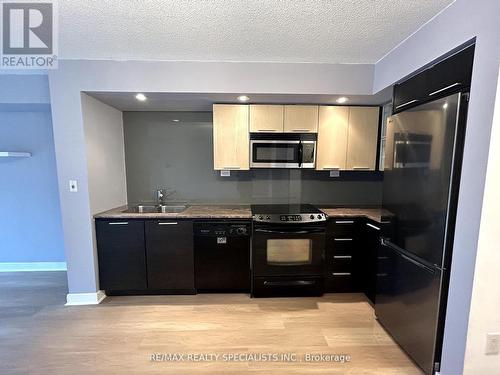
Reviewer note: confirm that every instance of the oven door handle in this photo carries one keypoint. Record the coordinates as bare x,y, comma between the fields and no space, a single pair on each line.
304,231
289,283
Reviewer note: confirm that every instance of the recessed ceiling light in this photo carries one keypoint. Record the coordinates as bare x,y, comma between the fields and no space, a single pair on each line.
342,99
176,120
141,97
445,105
243,98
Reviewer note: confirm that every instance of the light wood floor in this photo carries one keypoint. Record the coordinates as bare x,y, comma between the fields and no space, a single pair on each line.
39,335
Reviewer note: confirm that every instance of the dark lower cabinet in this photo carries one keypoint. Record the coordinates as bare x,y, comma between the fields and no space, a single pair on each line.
170,257
121,255
351,256
342,256
370,243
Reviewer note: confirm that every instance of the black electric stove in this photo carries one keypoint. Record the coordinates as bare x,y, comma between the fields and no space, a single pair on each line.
287,213
288,248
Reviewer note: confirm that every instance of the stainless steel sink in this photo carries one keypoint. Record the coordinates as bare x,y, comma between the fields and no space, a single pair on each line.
146,209
172,208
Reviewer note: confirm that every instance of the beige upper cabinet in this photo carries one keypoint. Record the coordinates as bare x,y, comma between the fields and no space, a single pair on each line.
301,118
266,118
362,138
231,137
332,138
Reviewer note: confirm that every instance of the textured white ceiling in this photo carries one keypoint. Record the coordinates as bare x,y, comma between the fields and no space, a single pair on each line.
335,31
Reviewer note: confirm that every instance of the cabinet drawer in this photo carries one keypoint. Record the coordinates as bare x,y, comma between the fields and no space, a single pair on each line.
341,245
340,282
339,227
340,263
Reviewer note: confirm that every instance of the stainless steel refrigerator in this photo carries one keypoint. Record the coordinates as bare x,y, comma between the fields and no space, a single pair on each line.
421,175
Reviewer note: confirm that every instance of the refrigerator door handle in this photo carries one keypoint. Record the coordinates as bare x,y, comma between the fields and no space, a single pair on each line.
385,242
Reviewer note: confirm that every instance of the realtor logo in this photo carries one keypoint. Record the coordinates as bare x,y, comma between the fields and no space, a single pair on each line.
28,35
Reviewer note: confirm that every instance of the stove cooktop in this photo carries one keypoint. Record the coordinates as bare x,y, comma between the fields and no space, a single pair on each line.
287,213
284,209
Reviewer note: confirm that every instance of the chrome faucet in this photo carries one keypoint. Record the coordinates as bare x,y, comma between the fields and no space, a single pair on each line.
162,194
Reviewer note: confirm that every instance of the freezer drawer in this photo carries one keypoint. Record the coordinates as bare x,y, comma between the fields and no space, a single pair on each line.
407,303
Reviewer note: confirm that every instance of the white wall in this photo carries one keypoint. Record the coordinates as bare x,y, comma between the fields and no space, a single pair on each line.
485,304
104,148
103,128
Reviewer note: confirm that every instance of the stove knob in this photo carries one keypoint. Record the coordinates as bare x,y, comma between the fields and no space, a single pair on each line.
261,217
319,217
311,217
241,230
268,217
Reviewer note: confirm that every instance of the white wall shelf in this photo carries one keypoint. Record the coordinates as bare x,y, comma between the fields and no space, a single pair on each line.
11,154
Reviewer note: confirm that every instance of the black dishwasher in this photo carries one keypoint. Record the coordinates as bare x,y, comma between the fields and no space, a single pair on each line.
222,256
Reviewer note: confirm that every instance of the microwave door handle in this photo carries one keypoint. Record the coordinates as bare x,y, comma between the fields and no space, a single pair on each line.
301,152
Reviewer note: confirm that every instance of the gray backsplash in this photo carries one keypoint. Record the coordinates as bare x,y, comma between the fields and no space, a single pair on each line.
161,153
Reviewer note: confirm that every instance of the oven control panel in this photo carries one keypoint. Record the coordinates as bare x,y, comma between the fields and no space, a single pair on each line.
297,218
290,217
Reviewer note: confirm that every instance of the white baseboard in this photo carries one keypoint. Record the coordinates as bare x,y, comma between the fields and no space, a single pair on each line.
80,299
32,266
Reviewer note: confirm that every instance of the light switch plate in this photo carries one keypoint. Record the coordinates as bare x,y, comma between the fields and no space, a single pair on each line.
225,173
492,343
334,173
73,186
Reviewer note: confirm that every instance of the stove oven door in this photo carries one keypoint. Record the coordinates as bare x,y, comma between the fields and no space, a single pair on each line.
288,250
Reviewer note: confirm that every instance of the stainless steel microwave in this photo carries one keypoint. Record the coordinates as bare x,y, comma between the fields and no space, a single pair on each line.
282,150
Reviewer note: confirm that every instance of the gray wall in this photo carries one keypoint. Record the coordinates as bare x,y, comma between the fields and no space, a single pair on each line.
179,155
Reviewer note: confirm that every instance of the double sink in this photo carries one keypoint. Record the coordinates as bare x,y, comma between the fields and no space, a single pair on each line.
163,209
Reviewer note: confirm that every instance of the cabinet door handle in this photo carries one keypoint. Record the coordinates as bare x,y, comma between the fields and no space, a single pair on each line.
301,130
344,221
445,88
342,239
231,167
167,223
361,168
372,226
331,168
267,130
342,256
119,223
341,274
404,104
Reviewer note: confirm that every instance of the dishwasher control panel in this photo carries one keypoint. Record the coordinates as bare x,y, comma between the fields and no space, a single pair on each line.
222,229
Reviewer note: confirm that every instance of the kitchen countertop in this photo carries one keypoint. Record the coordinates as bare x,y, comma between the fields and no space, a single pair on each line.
235,212
192,212
375,214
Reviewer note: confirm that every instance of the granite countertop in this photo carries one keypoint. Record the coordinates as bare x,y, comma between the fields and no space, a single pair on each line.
192,212
375,214
234,212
